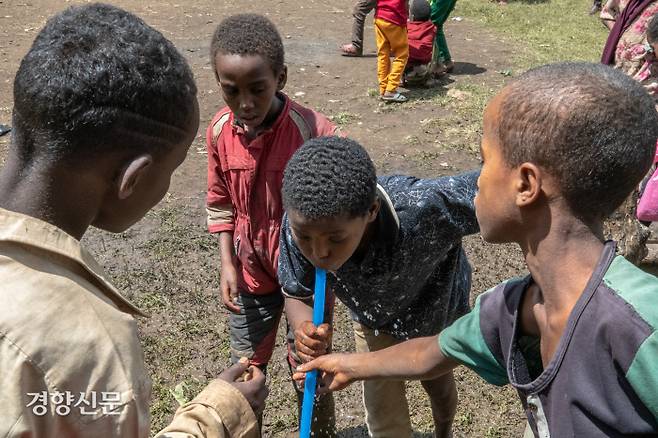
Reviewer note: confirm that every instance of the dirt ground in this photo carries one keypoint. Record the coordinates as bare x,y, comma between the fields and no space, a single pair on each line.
168,264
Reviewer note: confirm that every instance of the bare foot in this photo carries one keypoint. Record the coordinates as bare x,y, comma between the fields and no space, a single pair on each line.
350,50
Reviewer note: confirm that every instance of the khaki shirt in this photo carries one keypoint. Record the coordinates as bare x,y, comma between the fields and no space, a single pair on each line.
70,360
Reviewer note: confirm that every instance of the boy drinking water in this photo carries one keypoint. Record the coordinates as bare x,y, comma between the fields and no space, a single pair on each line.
105,110
393,250
249,143
562,148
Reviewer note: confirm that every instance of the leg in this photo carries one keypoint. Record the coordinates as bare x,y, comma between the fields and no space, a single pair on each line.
383,55
253,330
397,35
361,10
387,411
443,395
440,12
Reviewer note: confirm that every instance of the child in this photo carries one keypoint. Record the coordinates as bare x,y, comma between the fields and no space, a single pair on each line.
441,58
577,337
86,151
391,35
395,259
421,32
249,143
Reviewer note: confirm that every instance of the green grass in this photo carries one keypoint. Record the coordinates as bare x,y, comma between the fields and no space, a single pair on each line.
541,31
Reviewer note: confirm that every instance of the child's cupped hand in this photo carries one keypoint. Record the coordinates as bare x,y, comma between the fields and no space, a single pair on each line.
312,341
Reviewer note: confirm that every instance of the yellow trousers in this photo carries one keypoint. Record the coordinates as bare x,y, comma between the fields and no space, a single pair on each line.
391,39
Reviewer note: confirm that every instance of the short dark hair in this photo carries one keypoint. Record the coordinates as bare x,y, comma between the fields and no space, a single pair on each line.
652,29
590,126
329,177
248,34
97,78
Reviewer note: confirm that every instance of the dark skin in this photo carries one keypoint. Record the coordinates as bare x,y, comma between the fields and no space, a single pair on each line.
111,194
519,204
327,243
249,86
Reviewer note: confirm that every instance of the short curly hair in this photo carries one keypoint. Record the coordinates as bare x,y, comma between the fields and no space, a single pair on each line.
590,126
97,78
248,34
329,177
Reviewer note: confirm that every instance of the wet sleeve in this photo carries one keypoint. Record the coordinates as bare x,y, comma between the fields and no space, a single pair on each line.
464,342
219,206
219,411
296,274
643,373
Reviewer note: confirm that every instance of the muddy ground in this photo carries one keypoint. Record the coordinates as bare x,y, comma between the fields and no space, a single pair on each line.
168,264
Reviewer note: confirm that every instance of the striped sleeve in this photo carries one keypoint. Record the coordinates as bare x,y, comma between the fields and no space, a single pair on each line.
465,343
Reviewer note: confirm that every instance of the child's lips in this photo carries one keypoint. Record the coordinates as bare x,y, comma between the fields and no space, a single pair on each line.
248,119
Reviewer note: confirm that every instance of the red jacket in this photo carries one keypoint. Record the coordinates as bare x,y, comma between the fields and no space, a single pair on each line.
244,187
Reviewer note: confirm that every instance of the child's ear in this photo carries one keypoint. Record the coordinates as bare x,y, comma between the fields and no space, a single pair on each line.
528,184
132,174
282,79
373,211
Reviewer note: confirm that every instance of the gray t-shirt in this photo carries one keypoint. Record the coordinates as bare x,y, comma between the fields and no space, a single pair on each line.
414,278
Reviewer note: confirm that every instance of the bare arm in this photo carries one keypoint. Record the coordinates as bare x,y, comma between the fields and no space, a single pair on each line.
228,281
416,359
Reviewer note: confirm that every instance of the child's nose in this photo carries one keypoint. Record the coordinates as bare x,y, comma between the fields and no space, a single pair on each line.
246,103
320,250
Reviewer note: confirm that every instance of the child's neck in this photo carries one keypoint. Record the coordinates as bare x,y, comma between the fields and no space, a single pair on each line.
34,193
561,262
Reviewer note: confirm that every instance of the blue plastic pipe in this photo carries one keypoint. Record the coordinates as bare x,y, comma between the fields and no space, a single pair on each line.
312,377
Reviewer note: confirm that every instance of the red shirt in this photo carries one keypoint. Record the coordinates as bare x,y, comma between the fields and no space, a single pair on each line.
248,176
393,11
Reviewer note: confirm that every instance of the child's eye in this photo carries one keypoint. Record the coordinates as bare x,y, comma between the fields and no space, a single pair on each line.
229,91
258,90
336,239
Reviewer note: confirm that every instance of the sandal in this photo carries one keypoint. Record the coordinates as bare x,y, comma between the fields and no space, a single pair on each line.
350,50
397,98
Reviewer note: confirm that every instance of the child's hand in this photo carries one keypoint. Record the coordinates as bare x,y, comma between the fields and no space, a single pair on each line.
250,381
336,371
312,341
228,285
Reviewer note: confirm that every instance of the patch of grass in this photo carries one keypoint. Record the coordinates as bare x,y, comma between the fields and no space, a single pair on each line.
542,32
345,118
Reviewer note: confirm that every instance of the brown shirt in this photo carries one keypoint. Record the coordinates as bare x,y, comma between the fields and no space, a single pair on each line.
70,360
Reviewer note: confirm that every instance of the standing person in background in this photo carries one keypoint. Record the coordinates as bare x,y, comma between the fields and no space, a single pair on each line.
627,50
391,32
361,11
421,33
441,59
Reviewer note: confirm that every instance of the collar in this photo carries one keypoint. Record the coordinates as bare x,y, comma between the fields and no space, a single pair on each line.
238,127
31,232
387,219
